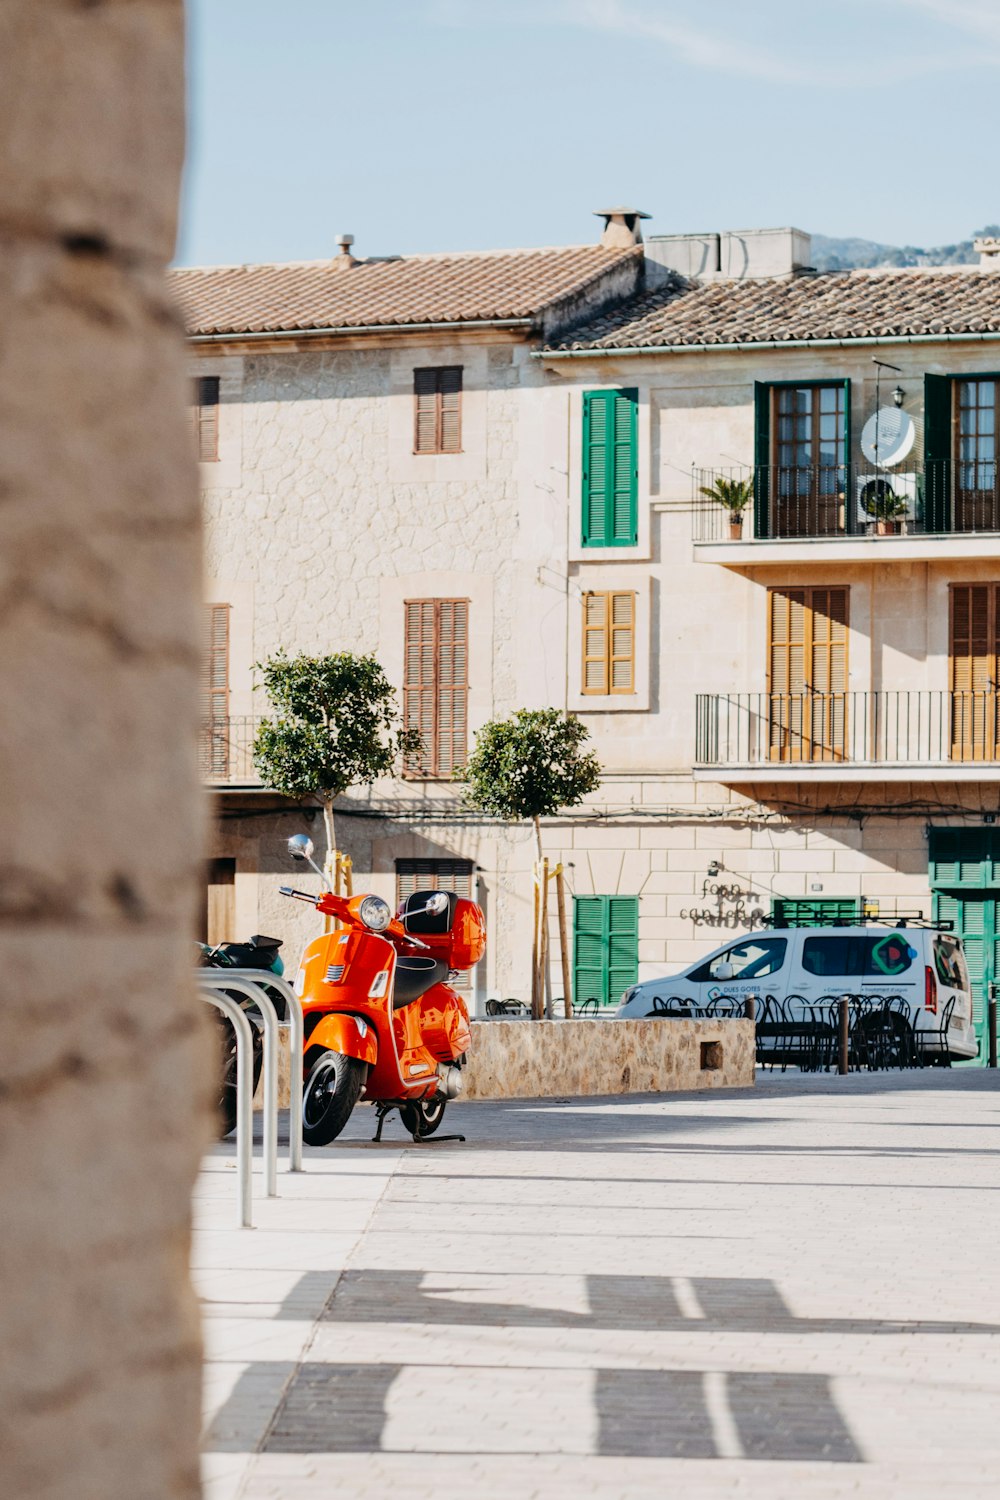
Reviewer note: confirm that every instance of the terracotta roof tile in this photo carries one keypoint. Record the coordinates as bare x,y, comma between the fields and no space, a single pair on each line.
373,294
835,305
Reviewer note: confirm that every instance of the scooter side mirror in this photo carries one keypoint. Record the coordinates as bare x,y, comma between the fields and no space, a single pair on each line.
300,847
437,903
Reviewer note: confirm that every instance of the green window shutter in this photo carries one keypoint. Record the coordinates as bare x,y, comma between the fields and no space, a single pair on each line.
761,458
590,946
963,857
937,452
605,947
610,469
623,945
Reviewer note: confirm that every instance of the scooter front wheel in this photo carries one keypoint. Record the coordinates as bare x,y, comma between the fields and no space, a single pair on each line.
422,1116
330,1094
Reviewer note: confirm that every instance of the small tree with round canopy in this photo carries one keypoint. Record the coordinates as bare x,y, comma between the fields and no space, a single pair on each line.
337,726
526,768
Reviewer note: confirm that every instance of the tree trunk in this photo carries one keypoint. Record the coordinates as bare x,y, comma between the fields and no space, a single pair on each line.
538,839
328,827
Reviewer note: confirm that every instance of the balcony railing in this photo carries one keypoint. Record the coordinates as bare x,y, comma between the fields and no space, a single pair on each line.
848,500
225,752
851,729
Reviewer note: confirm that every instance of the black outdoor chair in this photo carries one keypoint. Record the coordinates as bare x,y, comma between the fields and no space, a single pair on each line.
938,1054
674,1005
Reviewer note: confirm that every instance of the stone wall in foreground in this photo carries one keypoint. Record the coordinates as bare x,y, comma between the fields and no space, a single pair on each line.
549,1059
103,1050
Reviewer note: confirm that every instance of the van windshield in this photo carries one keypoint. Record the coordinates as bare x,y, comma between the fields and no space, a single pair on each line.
752,959
868,955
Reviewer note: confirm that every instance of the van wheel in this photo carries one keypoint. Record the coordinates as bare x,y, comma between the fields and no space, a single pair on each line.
330,1094
422,1116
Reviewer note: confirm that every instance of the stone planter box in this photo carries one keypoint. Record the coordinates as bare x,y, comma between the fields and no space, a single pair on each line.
512,1059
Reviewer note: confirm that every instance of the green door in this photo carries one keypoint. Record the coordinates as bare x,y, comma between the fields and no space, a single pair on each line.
965,879
605,947
976,918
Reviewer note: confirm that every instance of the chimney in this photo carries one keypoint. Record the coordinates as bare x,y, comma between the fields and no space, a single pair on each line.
344,260
622,228
987,247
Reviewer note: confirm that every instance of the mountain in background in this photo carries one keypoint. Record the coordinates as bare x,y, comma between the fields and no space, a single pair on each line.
829,254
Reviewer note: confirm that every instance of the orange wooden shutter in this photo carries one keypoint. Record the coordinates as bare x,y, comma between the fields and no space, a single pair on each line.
205,418
452,684
450,402
973,670
807,672
425,404
437,416
436,682
215,663
595,643
622,645
215,736
418,679
608,642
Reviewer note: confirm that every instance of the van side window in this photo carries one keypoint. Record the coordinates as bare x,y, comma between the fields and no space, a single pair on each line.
871,956
833,955
753,959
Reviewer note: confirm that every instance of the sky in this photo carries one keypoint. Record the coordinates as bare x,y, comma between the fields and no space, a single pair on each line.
432,125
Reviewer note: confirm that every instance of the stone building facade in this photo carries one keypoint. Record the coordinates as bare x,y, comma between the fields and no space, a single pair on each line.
801,719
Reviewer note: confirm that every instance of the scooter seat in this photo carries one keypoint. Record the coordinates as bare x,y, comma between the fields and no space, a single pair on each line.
414,977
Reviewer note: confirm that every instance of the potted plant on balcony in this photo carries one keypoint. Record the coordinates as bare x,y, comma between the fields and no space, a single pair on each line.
880,501
734,495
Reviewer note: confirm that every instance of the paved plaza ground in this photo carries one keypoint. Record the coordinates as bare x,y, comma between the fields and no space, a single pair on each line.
790,1291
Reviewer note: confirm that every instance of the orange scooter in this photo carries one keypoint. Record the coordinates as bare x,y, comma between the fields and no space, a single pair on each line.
381,1023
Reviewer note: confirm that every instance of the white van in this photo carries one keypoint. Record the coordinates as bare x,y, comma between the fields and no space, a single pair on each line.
801,966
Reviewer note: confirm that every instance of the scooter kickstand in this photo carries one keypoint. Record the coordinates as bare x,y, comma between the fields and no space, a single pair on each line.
382,1111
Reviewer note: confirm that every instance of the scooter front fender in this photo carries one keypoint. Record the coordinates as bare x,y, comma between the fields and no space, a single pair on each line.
349,1035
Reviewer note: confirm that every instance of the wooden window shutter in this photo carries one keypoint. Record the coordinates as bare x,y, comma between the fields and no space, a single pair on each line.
807,673
425,411
608,642
450,431
452,684
973,670
436,683
215,662
610,508
215,735
205,418
437,409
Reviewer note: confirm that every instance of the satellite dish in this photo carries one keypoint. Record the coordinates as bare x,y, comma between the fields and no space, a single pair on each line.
896,435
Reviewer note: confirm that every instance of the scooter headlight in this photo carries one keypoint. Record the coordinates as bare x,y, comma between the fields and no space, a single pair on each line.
375,913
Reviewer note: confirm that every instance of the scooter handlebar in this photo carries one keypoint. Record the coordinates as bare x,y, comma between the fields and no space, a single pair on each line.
288,890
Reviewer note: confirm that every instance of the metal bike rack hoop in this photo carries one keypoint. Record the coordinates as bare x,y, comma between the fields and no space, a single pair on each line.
296,1039
244,1099
221,980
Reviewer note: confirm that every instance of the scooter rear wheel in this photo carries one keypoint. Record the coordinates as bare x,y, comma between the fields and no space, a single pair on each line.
422,1116
330,1094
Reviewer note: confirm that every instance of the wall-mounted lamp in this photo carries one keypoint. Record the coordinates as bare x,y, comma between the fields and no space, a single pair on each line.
713,868
899,395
